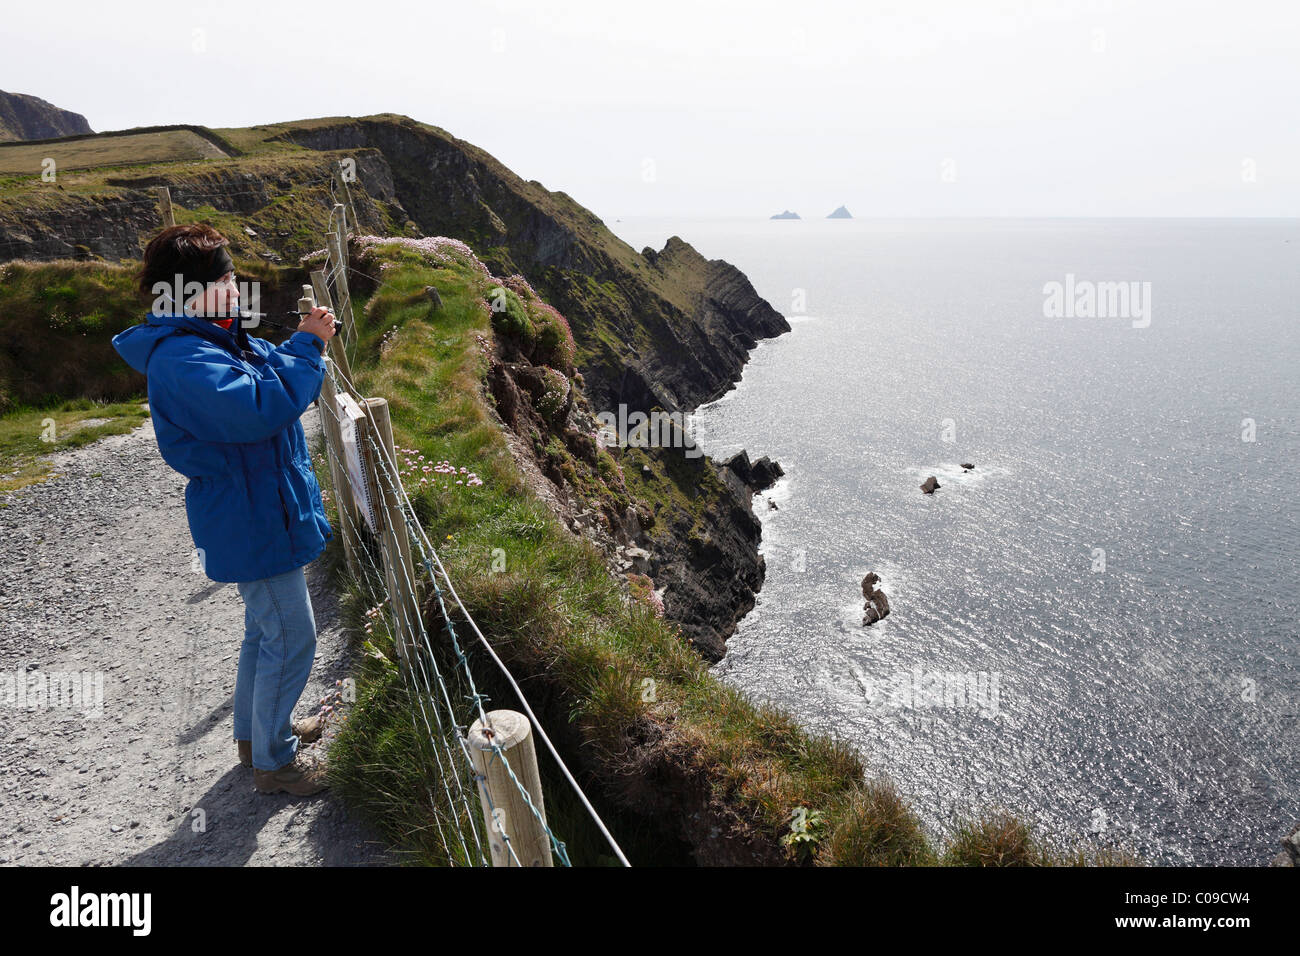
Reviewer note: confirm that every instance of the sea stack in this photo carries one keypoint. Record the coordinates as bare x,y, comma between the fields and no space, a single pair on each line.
930,485
877,605
840,213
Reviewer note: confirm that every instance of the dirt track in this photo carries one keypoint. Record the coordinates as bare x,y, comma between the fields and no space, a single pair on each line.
96,575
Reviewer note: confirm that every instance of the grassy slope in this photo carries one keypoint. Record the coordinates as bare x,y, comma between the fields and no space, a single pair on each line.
167,146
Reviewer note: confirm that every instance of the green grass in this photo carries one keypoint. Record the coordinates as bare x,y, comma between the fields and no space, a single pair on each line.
57,320
164,146
29,435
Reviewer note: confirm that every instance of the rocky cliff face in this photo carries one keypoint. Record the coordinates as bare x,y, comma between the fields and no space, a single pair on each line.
29,117
667,328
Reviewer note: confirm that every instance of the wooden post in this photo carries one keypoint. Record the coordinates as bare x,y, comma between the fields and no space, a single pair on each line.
165,206
511,731
330,412
338,243
341,188
398,566
336,350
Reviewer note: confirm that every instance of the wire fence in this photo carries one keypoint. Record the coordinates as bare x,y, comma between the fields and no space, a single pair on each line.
486,811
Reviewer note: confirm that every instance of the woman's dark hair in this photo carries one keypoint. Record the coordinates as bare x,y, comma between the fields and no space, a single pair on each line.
179,250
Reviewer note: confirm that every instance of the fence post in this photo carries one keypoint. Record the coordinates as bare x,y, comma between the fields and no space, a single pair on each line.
338,244
165,206
504,809
342,189
336,350
398,565
330,412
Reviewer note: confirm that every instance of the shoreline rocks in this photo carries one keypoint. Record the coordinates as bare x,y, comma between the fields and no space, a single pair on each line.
759,475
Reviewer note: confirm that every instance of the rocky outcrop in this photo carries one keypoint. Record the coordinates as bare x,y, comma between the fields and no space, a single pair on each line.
704,567
1290,855
968,467
930,485
877,606
759,475
29,117
83,225
668,328
711,563
840,213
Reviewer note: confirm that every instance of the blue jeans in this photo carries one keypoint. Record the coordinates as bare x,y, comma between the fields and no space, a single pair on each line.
274,661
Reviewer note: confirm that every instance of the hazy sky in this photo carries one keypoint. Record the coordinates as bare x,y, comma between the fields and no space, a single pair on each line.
1094,107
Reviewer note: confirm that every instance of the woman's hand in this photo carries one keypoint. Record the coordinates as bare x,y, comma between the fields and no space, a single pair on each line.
319,323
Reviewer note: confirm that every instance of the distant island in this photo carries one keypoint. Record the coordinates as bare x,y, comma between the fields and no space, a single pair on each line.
786,215
840,213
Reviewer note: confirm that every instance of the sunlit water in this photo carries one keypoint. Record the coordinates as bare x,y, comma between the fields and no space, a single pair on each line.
1153,702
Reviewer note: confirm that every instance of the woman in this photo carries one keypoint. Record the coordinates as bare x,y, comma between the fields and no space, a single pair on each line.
225,409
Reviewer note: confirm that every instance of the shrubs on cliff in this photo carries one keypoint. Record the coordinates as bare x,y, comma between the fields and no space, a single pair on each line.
387,252
555,396
509,317
531,325
555,346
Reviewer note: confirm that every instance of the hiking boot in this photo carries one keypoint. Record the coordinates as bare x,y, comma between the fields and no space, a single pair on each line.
298,777
307,730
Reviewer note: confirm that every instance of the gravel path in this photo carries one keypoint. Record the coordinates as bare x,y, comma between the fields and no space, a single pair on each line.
96,576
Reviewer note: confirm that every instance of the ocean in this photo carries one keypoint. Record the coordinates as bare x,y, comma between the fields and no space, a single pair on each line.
1096,627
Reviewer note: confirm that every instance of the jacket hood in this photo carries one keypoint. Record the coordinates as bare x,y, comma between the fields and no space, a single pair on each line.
137,343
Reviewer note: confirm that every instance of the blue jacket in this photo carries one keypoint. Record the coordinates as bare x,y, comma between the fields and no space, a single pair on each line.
228,421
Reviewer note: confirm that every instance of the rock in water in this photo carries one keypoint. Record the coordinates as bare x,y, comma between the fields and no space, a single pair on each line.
759,475
967,466
877,605
1290,855
765,472
930,485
